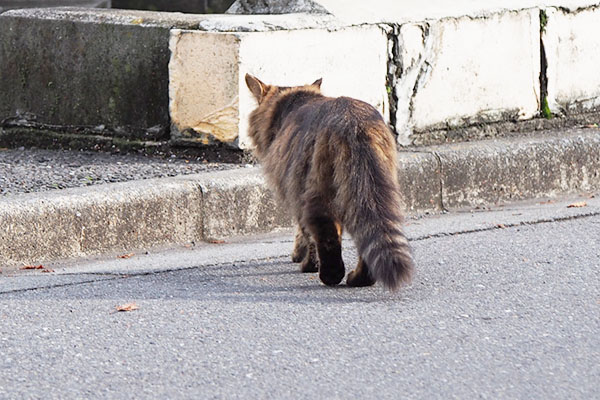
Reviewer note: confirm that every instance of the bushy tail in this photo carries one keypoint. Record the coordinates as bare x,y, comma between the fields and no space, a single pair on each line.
371,203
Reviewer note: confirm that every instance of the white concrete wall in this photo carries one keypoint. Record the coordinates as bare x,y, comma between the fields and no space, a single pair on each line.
457,71
572,45
452,69
207,88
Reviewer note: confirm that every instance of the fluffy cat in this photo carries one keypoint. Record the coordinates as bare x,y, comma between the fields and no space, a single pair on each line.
332,161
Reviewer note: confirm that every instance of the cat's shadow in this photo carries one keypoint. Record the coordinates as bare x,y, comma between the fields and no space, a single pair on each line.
282,281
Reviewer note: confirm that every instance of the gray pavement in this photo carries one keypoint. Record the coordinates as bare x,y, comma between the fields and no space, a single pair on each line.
505,304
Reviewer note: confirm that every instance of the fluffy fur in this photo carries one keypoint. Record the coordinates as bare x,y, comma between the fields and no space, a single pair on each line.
332,161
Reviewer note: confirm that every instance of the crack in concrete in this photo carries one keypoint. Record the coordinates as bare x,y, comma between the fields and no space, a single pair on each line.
424,67
544,108
394,73
441,179
506,226
60,285
407,69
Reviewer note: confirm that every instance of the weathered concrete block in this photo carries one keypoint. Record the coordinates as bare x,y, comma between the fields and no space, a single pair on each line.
419,174
75,222
12,4
275,7
186,6
572,46
460,71
508,170
250,206
85,68
209,100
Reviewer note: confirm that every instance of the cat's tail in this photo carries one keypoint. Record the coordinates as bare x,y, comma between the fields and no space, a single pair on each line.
373,216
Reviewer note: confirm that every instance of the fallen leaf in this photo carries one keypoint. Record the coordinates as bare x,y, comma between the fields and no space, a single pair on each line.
126,255
127,307
33,267
501,226
47,270
591,126
577,205
216,241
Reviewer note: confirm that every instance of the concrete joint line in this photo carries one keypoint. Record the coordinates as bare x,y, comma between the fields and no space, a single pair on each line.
203,217
441,179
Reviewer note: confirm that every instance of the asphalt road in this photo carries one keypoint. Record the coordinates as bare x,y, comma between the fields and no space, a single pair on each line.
504,304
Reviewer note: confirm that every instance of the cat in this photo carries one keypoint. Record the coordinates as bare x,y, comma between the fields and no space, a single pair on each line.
332,161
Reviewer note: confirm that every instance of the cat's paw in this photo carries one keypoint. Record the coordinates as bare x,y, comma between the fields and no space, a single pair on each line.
332,276
309,265
358,278
298,254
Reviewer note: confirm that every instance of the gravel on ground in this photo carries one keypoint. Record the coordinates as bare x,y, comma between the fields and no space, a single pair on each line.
35,170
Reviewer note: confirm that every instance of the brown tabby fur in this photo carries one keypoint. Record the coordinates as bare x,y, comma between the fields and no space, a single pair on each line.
332,161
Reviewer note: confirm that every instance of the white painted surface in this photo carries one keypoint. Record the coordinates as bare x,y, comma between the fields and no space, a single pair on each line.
455,69
572,44
207,69
352,62
468,70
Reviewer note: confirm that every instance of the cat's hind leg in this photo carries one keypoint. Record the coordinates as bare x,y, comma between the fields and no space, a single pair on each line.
326,235
301,244
311,261
360,276
305,251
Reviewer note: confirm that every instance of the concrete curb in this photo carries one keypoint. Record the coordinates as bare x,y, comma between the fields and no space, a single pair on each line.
119,217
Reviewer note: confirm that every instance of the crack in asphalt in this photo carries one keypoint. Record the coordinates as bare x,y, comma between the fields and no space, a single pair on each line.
108,276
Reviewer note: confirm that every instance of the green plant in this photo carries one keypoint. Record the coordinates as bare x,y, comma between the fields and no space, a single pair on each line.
546,112
543,21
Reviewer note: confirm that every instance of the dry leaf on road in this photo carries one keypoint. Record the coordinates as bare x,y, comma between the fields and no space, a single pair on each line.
32,267
126,255
577,205
127,307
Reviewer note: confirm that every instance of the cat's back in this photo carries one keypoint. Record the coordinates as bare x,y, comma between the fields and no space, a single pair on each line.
339,112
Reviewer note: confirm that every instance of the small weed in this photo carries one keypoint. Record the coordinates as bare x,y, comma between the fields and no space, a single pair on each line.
546,112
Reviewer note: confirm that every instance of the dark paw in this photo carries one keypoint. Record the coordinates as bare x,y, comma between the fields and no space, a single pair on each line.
298,255
359,279
332,276
309,265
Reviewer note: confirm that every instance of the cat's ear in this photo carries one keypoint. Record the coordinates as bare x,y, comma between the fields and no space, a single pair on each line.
257,88
317,83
